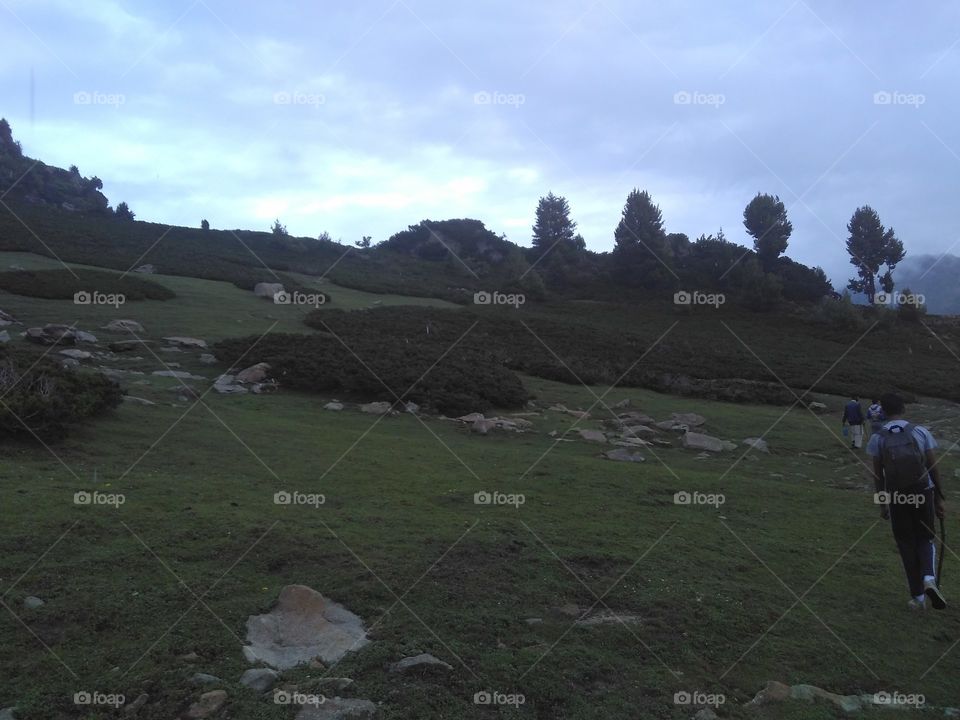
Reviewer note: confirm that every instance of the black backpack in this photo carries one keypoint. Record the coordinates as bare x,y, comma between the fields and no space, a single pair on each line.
904,463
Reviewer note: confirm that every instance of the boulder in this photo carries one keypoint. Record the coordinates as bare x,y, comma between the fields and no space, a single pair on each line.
818,407
226,386
411,407
208,704
758,444
672,425
51,334
376,408
33,603
254,374
847,703
623,455
259,680
592,435
128,326
148,269
471,417
333,406
208,359
688,419
482,426
302,626
773,692
187,343
338,709
638,431
635,418
8,713
4,336
699,441
424,661
83,336
268,290
7,319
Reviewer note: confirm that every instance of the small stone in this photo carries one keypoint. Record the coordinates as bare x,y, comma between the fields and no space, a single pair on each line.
189,657
592,435
205,679
333,406
33,603
376,408
133,707
208,359
208,704
533,621
424,661
624,455
259,679
758,444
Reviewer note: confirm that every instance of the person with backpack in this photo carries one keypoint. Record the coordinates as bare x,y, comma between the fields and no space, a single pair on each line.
910,494
876,417
853,416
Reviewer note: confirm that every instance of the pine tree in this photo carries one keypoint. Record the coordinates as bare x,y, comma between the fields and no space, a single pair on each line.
765,219
553,226
642,252
871,245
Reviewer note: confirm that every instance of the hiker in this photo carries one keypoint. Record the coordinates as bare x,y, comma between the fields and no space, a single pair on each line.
853,416
876,417
910,494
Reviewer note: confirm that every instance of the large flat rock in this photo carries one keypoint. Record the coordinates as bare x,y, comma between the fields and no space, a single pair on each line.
302,626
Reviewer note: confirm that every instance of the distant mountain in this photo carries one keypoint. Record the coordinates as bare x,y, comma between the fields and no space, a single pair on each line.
27,180
935,277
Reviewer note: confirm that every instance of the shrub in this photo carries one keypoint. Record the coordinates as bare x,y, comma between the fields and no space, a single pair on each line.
40,399
64,284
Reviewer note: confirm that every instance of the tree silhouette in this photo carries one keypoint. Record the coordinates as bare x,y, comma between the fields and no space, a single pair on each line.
871,246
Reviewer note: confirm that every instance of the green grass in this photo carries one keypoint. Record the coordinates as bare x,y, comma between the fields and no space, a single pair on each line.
121,585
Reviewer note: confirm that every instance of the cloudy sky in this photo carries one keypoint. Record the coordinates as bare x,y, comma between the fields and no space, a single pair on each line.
360,118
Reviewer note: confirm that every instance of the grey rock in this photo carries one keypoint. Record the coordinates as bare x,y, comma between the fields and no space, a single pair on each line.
4,336
134,707
376,408
268,290
259,679
208,359
205,679
624,455
592,435
208,704
422,661
33,603
8,713
76,354
688,419
302,626
254,374
130,326
181,374
758,444
699,441
187,343
333,406
148,269
85,337
705,714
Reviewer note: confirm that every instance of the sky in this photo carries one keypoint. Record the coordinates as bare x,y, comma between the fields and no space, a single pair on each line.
361,118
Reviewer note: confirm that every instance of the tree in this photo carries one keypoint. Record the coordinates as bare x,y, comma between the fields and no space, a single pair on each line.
642,253
204,224
364,243
277,228
553,226
7,144
765,219
123,212
871,245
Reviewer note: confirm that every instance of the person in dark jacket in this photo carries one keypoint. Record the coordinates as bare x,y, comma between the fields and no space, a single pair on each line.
853,416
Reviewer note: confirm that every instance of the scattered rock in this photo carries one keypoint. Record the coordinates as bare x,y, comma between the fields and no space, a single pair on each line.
625,403
333,406
411,407
51,334
187,343
758,444
303,625
122,346
208,704
774,692
376,408
471,417
181,374
33,603
4,336
83,336
672,425
580,414
424,661
592,435
623,455
7,319
482,426
189,657
8,713
227,385
208,359
268,290
254,374
688,419
148,269
338,709
699,441
135,706
337,683
606,617
130,326
847,703
259,679
205,679
818,407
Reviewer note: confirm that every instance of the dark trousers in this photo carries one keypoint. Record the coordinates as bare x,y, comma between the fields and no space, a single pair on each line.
913,529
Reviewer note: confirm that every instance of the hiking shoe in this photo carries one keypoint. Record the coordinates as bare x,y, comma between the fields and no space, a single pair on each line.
936,597
915,604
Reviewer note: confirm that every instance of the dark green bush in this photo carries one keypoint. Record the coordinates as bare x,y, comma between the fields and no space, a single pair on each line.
40,399
64,284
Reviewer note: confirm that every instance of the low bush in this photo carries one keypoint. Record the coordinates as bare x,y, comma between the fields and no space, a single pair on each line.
65,284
